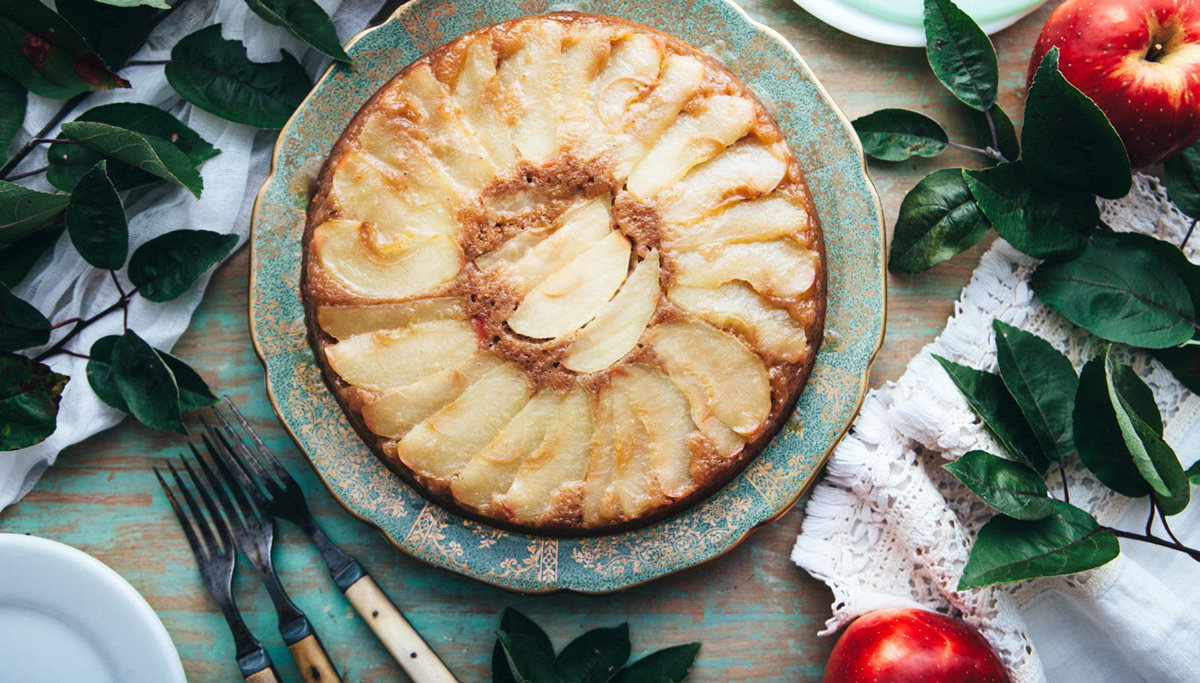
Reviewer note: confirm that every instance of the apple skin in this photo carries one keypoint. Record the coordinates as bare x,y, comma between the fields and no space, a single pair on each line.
904,645
1103,49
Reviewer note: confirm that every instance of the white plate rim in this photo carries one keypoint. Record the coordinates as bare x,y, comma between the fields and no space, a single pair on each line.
157,648
856,22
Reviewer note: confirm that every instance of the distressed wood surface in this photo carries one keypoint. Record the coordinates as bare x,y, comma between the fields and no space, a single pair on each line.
756,613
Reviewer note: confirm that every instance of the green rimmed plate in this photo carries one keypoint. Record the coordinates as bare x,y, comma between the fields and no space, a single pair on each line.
829,154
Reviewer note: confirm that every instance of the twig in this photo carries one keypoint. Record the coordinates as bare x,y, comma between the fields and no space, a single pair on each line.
1163,517
77,355
20,155
989,152
1188,236
1146,538
1062,472
987,114
68,321
26,174
81,325
1150,519
147,62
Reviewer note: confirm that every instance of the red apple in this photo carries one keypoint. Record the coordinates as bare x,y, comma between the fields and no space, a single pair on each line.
1139,60
912,646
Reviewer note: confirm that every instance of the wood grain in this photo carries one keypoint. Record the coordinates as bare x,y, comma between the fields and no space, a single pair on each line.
756,613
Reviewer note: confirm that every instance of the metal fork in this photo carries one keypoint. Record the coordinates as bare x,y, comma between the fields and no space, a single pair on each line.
278,494
255,534
213,548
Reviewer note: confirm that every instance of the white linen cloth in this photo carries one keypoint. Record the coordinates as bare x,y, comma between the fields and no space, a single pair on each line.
888,527
62,286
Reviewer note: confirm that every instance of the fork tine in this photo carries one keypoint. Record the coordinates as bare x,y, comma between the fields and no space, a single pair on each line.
206,532
245,460
228,463
244,510
280,471
214,511
214,482
184,521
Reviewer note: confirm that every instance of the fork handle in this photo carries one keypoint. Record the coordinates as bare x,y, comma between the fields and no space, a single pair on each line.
399,637
312,661
267,675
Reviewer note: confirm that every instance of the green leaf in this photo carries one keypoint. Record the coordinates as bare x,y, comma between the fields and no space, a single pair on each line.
13,100
526,661
1068,541
170,264
100,374
22,210
96,220
21,256
21,325
512,621
69,163
1154,459
988,397
304,19
1009,487
146,384
29,396
1098,436
1041,223
46,55
194,392
938,219
158,4
1068,141
594,657
114,32
670,664
1182,176
897,134
1193,473
150,154
960,54
1010,146
1043,382
1121,291
216,75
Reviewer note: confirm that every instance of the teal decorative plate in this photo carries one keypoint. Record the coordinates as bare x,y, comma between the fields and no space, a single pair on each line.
829,154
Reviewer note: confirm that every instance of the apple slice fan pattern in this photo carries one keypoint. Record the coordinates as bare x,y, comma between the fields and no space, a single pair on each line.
564,274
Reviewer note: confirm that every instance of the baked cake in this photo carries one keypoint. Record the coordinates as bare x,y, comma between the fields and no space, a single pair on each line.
564,274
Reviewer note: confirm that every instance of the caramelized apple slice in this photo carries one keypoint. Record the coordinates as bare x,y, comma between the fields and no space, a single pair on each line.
492,470
477,96
460,154
724,441
395,143
631,70
599,499
748,169
350,253
582,59
663,412
779,268
568,299
561,460
694,137
439,446
776,215
735,305
394,413
394,358
340,322
635,486
511,251
649,117
366,189
529,81
620,323
735,384
582,228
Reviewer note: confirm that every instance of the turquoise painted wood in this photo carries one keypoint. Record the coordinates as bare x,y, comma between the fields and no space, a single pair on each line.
756,613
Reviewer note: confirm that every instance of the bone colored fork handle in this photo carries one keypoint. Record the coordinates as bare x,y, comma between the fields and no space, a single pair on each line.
267,675
397,635
311,660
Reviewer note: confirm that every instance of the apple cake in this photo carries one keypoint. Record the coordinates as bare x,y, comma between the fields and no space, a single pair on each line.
564,274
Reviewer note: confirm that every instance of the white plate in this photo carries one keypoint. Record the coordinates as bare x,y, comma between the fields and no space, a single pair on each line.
856,18
65,616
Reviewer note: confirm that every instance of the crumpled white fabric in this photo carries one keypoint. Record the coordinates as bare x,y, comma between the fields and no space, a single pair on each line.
62,286
888,527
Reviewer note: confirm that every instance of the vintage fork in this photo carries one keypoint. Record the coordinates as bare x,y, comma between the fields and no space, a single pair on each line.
255,533
278,494
213,548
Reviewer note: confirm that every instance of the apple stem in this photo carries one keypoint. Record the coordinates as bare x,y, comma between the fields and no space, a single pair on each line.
1188,236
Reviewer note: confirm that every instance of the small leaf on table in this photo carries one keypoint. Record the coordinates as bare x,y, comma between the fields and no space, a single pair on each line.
194,392
1068,141
114,32
988,397
594,657
527,662
96,220
22,210
1006,134
146,384
669,664
938,219
17,259
1120,290
216,75
1043,224
1009,487
68,162
21,325
304,19
1181,174
29,396
960,54
1098,435
13,100
150,154
45,54
1043,382
169,264
897,134
1069,540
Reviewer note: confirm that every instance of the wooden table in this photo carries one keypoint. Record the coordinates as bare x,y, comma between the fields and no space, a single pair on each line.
756,613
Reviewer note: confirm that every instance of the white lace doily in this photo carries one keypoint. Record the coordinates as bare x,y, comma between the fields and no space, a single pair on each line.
888,527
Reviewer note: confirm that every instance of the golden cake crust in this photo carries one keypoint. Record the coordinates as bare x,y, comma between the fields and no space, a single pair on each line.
558,185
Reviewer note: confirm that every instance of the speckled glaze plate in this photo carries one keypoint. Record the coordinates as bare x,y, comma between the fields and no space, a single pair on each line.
832,160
